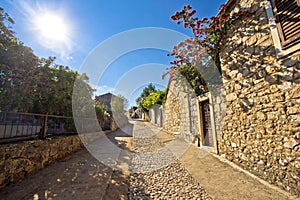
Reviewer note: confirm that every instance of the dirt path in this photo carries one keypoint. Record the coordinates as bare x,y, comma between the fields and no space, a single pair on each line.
79,176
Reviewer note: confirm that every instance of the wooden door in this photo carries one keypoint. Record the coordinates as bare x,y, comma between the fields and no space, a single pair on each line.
206,124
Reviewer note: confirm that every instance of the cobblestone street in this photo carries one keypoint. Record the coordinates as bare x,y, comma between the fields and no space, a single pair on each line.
81,176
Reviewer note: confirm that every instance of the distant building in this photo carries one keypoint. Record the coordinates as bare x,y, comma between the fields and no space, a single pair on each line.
106,99
135,112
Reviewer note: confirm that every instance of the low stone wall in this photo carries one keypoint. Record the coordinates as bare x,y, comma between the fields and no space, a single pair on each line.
19,159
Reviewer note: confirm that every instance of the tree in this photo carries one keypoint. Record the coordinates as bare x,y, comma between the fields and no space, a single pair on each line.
119,104
16,61
39,85
100,109
157,97
146,92
54,87
201,51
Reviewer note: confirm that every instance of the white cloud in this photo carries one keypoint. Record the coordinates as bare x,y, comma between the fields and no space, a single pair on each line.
103,89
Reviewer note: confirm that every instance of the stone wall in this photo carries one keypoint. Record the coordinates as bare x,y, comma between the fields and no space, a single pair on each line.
189,116
181,115
262,123
19,159
172,109
156,114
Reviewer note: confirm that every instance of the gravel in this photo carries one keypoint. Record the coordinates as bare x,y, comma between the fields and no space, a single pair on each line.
158,175
171,182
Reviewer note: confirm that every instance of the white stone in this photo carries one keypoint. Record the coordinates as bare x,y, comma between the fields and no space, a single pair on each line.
291,143
231,97
234,145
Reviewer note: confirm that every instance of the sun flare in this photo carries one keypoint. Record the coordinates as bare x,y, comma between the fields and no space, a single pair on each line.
51,27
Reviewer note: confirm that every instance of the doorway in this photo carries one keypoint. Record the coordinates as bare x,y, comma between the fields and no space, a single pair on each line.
206,124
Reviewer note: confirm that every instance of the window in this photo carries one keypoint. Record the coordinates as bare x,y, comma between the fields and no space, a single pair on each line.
283,16
287,18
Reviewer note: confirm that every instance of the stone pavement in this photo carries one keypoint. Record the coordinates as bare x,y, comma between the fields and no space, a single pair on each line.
195,175
222,179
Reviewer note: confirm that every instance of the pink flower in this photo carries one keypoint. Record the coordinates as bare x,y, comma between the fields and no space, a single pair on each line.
225,15
192,13
187,7
223,6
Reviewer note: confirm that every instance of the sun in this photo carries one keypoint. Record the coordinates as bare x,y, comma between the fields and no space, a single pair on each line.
52,27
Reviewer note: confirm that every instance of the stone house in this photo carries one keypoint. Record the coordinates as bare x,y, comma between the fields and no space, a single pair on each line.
198,119
260,61
106,99
117,117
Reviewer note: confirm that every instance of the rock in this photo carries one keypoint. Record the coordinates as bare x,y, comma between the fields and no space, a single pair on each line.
261,116
297,164
231,97
293,110
250,50
295,93
252,40
234,145
261,129
261,162
291,143
269,59
283,162
270,69
290,62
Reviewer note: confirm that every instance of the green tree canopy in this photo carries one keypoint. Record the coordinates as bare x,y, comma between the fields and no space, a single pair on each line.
119,104
145,93
32,84
157,97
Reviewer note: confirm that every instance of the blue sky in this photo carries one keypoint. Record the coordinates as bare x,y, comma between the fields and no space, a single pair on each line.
91,22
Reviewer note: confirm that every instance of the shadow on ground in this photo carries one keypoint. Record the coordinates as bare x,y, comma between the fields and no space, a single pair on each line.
78,176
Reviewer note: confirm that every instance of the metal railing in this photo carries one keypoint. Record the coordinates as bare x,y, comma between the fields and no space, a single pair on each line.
19,126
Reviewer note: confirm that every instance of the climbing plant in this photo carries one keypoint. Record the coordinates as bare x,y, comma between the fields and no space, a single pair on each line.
199,51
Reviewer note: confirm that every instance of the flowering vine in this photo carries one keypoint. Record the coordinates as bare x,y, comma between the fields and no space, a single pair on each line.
204,47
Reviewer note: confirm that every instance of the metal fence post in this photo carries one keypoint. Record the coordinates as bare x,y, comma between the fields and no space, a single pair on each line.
45,126
43,131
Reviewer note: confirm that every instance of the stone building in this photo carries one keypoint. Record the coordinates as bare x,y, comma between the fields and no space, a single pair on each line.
261,72
117,113
198,119
106,99
260,61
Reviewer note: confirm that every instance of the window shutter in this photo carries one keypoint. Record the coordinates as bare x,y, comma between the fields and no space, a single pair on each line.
287,14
